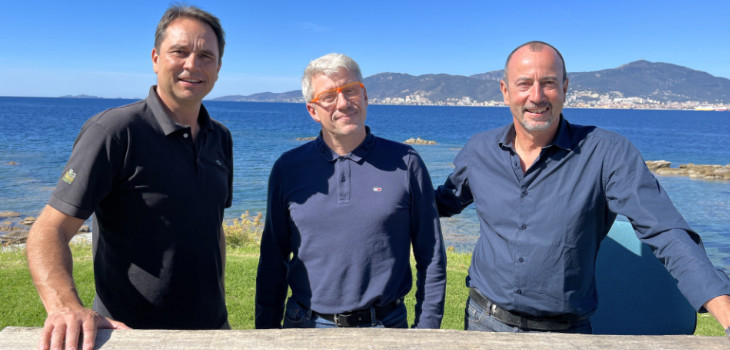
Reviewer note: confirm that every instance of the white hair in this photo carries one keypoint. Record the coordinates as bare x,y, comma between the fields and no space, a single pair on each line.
328,65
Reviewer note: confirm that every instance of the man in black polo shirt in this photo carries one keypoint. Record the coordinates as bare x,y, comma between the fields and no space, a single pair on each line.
157,175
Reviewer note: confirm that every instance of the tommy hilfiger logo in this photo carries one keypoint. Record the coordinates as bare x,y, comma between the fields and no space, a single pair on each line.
377,189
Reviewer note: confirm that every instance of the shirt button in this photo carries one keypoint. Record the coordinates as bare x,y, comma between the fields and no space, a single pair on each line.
519,291
523,227
524,193
522,260
185,135
342,179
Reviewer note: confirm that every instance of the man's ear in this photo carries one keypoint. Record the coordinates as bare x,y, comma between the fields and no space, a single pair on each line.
313,112
155,57
505,91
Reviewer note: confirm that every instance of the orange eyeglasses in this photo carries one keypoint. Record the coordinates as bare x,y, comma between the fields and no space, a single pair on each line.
329,97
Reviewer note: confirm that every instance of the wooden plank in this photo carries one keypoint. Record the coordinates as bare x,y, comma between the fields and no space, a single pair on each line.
365,338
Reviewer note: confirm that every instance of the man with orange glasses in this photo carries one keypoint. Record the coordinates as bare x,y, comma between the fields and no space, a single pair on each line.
342,213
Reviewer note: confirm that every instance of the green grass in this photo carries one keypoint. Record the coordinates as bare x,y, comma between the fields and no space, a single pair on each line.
22,307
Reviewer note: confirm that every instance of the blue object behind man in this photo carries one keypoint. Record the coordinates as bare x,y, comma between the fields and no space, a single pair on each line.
636,293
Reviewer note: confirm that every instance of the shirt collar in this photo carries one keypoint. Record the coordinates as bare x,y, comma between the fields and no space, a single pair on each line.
356,155
166,123
562,136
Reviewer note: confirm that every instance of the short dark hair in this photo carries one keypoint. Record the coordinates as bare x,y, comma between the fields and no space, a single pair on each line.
177,11
535,45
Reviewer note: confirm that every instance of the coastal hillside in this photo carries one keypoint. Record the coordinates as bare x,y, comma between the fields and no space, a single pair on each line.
640,84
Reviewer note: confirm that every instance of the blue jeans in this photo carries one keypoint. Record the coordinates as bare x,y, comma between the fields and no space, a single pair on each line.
476,318
299,317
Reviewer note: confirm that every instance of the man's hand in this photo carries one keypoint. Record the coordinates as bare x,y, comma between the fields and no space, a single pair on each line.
63,328
720,308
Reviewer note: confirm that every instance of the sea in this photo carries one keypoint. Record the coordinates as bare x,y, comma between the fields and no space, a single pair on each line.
37,134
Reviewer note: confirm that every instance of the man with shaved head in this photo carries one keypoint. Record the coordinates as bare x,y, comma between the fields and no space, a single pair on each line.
546,193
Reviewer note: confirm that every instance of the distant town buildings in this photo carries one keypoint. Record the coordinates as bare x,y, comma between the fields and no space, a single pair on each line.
575,99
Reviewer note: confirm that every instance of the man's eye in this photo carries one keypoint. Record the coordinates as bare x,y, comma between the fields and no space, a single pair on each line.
328,97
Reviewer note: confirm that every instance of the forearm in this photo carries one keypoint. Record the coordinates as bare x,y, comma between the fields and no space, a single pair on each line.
50,262
720,308
430,294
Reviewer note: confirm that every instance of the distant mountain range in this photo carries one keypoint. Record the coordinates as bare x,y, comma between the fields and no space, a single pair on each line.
657,82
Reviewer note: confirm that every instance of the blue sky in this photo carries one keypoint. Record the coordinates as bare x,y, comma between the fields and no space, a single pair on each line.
103,48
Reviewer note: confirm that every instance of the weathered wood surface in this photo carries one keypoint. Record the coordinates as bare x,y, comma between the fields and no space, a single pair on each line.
363,338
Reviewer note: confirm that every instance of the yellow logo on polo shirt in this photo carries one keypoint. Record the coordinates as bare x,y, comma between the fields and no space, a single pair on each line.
69,176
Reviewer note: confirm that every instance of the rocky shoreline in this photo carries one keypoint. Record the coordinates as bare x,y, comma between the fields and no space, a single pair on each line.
14,226
696,171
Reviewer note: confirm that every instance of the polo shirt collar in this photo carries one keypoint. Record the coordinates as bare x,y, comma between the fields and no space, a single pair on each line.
562,136
356,155
166,123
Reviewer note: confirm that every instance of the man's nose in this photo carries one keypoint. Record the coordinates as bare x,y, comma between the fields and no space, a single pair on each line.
342,101
536,92
191,61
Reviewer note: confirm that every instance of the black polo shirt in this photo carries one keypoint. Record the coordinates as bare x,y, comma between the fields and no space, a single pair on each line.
158,198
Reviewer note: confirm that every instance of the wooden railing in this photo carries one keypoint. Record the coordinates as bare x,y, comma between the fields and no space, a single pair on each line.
365,338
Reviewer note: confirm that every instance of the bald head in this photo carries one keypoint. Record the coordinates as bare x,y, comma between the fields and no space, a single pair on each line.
534,46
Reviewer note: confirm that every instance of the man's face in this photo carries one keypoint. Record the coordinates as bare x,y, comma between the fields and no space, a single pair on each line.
187,63
535,90
346,117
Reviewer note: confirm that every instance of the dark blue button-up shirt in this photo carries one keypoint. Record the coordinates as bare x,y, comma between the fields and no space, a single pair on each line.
540,230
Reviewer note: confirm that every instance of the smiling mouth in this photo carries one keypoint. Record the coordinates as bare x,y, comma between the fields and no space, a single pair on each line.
191,81
537,110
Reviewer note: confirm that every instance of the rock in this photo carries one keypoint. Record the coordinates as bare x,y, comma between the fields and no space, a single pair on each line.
419,141
306,138
27,221
17,236
8,227
12,163
9,214
84,229
653,165
695,171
